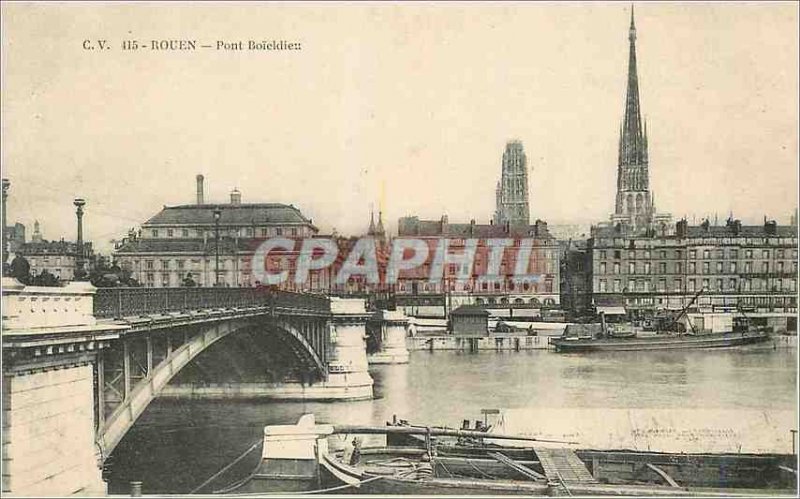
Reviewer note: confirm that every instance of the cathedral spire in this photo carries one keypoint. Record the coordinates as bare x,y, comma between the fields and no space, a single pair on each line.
633,149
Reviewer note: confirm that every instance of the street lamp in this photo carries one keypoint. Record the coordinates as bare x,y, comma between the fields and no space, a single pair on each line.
79,271
217,215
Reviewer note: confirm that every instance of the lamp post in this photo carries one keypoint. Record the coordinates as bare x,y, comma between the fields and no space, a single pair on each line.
79,271
217,215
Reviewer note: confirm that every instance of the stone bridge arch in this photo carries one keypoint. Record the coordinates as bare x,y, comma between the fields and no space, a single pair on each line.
135,383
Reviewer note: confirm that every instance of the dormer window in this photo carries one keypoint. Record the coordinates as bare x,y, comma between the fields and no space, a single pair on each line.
155,232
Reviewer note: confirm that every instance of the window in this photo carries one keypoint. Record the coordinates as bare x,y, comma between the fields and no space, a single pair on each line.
765,267
616,253
155,232
647,253
780,253
733,267
706,254
617,285
646,286
249,232
185,232
678,267
719,267
616,267
165,264
631,285
263,232
780,267
693,254
748,254
719,284
199,232
179,263
732,284
646,267
165,279
706,266
148,264
601,285
662,268
678,254
294,231
58,260
692,285
692,268
279,231
663,254
662,284
170,233
734,253
602,267
705,284
603,254
676,284
748,267
765,254
720,253
631,268
631,254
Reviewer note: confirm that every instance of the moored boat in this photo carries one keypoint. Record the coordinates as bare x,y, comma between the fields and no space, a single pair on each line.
302,457
662,341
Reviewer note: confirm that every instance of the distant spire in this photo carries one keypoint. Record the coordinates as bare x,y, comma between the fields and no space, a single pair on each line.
379,229
371,230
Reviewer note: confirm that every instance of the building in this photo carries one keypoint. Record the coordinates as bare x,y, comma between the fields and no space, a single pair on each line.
540,287
213,244
576,276
58,258
748,268
635,204
513,205
469,320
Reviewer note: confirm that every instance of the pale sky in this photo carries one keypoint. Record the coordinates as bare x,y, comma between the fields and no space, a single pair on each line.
404,106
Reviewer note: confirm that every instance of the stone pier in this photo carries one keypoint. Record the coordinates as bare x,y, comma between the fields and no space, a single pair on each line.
390,330
50,344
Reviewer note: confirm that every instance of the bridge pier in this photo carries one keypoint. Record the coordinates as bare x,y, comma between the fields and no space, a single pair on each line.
390,331
50,346
348,374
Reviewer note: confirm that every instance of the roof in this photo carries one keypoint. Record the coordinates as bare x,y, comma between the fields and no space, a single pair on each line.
226,246
611,310
698,231
51,248
413,226
230,214
470,310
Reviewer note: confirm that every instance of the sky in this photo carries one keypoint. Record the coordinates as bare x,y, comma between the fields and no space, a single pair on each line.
402,107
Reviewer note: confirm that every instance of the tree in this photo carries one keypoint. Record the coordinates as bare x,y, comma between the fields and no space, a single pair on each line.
21,269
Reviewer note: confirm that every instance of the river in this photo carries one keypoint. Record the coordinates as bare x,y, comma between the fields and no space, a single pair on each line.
176,445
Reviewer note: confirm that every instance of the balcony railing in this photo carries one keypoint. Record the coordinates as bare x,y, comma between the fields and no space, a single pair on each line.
128,302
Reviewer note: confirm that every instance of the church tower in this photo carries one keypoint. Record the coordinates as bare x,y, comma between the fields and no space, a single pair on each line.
634,203
512,204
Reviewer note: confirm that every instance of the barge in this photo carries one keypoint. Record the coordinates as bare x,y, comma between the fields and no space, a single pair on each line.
303,458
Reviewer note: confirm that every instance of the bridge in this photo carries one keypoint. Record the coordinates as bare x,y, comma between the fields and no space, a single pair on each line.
81,364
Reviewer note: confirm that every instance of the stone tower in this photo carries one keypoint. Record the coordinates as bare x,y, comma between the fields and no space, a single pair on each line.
512,190
634,203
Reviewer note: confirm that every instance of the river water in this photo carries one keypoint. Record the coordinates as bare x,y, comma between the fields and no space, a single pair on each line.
176,445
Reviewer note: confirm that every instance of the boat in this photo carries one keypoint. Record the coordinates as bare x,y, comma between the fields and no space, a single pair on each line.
304,458
623,337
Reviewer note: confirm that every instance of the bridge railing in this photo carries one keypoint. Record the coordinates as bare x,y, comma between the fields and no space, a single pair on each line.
127,302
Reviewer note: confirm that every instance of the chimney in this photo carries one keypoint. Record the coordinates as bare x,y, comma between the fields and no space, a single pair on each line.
681,228
236,196
200,189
